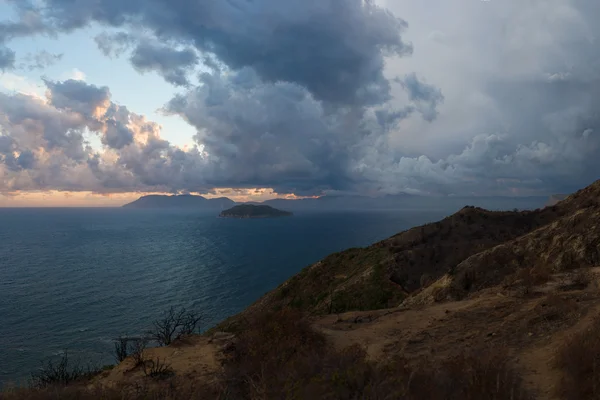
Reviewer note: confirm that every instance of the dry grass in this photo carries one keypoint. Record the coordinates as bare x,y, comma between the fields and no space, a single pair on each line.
280,357
524,281
579,360
175,389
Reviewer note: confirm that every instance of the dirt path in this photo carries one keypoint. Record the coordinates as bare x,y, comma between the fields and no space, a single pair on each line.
537,362
379,331
528,329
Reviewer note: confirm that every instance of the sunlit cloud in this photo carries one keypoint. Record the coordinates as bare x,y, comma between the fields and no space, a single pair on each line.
53,198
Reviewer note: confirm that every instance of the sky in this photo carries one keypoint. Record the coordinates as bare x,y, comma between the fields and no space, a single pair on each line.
102,101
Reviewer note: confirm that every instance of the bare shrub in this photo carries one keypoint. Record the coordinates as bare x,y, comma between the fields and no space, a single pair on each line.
137,351
173,325
121,348
62,373
526,279
130,346
157,369
579,360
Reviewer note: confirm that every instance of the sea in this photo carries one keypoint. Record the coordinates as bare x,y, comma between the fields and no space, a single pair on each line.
73,279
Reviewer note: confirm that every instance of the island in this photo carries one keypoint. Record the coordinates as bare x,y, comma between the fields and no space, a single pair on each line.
253,211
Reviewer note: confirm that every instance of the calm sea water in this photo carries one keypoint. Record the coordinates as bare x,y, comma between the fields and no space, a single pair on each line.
76,278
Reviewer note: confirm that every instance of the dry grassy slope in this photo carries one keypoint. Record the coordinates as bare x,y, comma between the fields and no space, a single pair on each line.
437,248
571,241
530,329
381,275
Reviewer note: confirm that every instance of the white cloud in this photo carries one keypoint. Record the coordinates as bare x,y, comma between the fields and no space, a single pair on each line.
74,74
10,82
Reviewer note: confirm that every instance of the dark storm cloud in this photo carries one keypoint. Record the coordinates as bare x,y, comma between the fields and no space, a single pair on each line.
291,110
256,135
297,98
171,63
334,48
277,134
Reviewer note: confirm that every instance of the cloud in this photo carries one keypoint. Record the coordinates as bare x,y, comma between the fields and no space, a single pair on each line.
149,54
171,63
334,48
78,96
114,44
40,60
29,22
44,145
428,97
302,96
7,58
250,134
278,134
74,74
118,135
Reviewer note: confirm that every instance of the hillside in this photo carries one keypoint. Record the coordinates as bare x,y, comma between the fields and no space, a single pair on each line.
383,274
477,247
480,305
253,211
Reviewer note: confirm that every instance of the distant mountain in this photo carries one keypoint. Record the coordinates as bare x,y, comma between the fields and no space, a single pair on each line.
347,203
253,211
181,201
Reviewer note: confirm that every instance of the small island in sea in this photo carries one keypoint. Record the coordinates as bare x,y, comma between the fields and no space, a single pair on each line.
253,211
